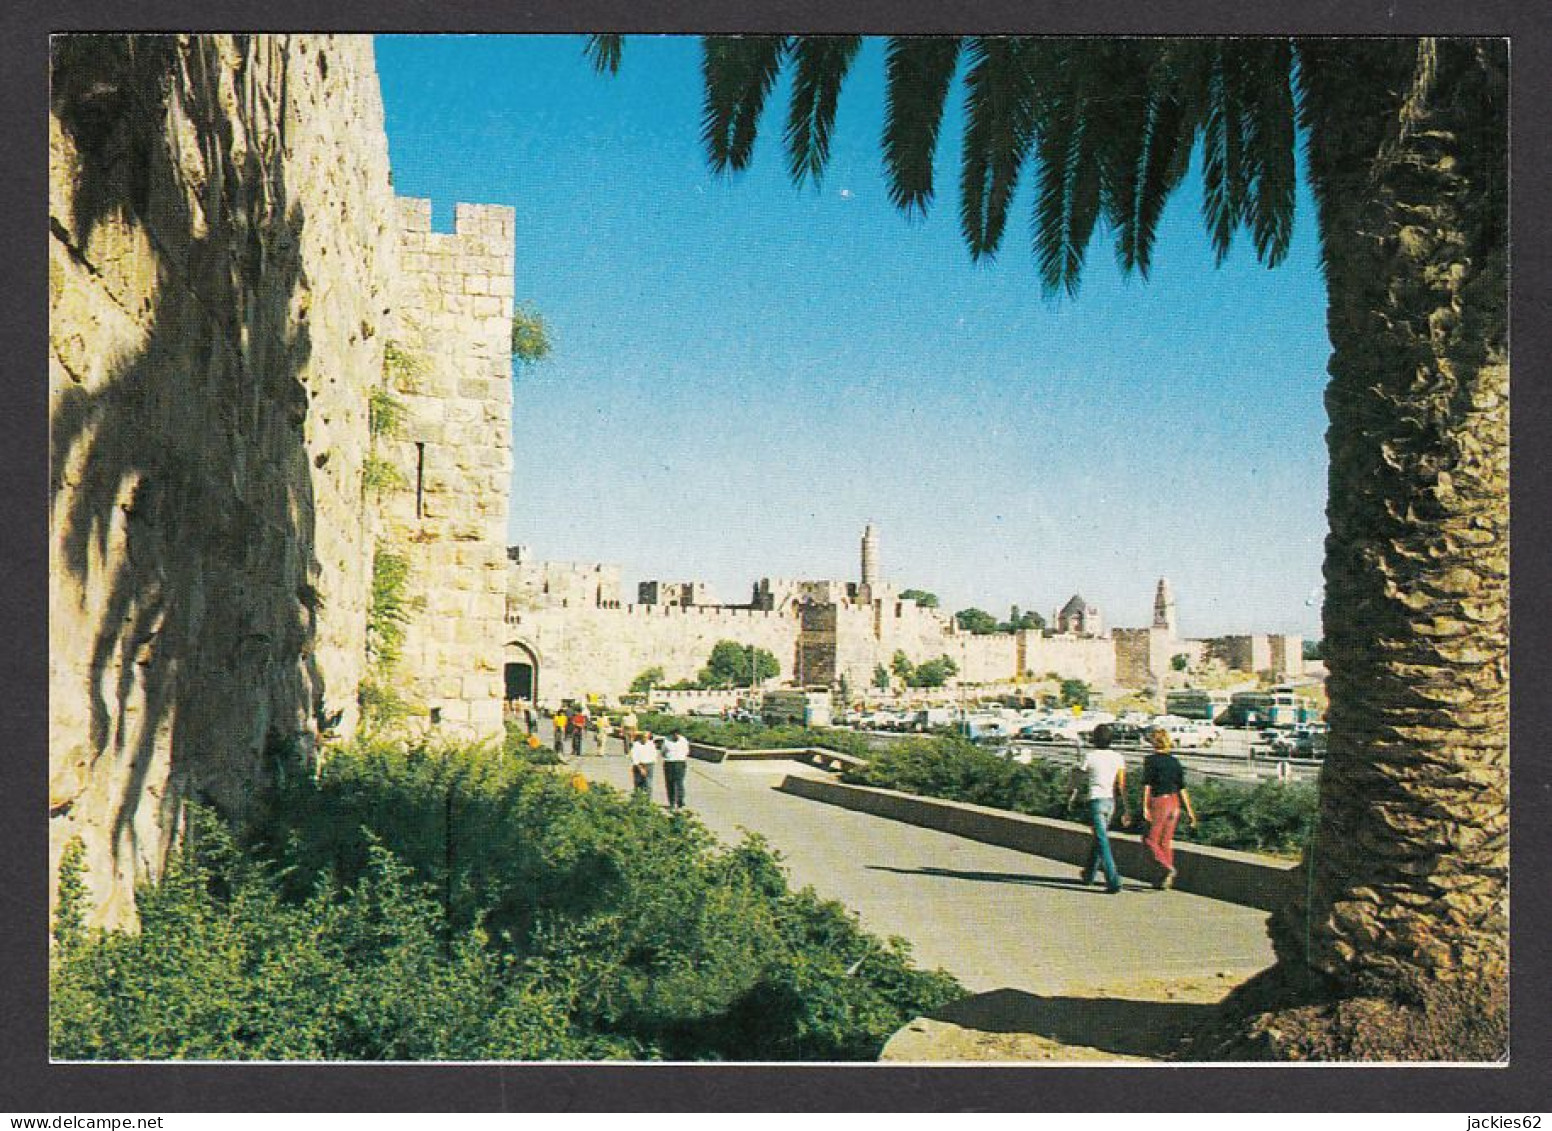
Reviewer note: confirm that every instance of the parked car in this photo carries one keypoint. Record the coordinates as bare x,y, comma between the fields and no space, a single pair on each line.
1128,731
1186,734
928,718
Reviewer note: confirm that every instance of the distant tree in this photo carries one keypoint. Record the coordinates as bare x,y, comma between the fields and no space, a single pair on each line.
901,666
648,679
978,621
1021,622
733,664
923,598
1180,661
1314,649
881,677
530,335
934,673
1075,693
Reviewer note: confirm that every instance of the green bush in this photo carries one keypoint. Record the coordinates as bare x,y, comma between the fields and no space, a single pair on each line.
224,967
459,904
515,744
1270,817
755,736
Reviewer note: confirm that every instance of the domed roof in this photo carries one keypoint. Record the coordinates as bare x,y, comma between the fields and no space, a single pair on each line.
1077,606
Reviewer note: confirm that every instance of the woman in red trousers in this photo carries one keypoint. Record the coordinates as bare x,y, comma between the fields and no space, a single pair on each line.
1163,795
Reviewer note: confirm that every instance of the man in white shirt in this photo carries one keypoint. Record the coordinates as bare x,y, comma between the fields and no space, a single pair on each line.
643,756
676,758
1103,773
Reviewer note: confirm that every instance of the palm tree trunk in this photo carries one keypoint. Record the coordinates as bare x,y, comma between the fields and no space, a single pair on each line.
1407,875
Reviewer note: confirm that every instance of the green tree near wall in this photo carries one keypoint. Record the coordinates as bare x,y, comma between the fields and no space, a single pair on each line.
923,598
530,335
978,621
934,673
733,664
647,679
1022,622
1075,693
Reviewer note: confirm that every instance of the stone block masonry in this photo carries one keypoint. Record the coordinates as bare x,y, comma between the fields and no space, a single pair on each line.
221,256
448,516
600,650
227,267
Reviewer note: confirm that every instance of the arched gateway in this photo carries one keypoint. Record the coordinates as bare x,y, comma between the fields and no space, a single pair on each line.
521,670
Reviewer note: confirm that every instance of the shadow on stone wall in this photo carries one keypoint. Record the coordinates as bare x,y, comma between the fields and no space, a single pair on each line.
194,446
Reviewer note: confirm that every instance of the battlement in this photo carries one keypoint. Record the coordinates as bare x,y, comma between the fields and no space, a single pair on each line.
486,221
709,612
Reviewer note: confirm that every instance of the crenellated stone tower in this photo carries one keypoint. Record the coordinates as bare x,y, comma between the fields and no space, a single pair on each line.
448,518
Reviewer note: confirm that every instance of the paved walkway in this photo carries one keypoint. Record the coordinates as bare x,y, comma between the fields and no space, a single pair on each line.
993,917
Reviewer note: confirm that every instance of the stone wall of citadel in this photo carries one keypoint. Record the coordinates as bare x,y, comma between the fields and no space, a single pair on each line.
1093,661
221,253
453,454
602,649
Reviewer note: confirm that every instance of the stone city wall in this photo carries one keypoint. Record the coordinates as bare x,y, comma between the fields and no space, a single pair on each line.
540,584
602,650
1286,655
984,659
1142,655
1280,656
453,320
1093,661
221,249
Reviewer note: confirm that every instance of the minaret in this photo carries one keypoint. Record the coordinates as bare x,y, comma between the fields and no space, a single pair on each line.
870,557
1164,608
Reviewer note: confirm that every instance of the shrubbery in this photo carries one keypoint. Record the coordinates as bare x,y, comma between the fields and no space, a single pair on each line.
458,904
1270,817
756,736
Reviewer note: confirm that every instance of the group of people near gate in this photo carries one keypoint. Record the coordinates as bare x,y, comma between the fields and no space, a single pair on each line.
1101,772
645,750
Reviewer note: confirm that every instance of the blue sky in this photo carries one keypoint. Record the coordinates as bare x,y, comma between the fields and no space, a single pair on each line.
745,373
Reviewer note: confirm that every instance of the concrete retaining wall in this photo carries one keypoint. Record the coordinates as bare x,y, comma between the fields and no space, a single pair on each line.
1219,873
832,760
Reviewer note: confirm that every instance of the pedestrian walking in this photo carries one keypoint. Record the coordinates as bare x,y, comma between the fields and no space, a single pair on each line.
643,756
530,717
559,722
578,729
676,763
1102,774
602,726
1163,794
628,731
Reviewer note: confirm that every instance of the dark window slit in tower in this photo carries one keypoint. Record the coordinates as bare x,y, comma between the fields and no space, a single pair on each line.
420,478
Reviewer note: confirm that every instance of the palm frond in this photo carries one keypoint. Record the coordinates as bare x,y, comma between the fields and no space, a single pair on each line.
739,72
822,62
1220,205
998,133
1267,98
1068,197
1122,124
1176,82
603,51
918,73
